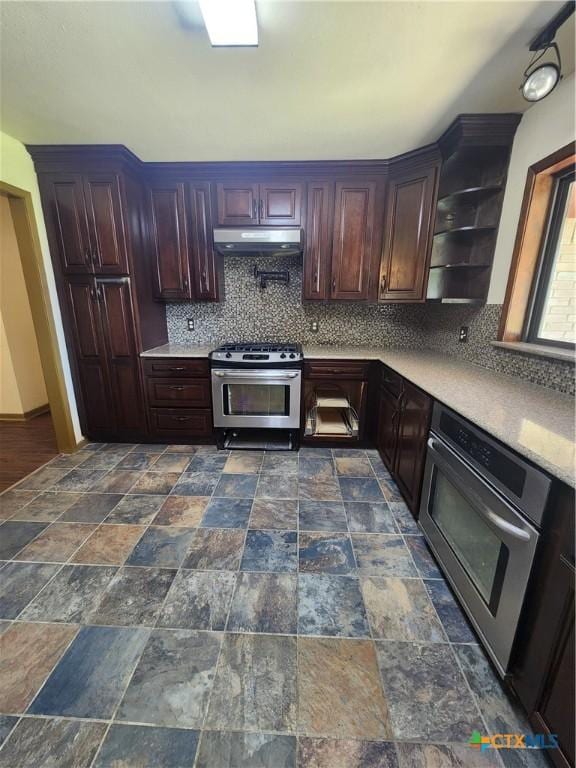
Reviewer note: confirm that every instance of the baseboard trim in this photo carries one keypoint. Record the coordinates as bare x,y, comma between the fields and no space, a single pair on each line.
27,415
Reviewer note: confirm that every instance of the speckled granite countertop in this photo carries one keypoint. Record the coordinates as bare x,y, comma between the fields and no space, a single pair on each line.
535,421
179,350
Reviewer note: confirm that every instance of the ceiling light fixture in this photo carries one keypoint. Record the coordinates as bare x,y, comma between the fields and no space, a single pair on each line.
541,79
230,22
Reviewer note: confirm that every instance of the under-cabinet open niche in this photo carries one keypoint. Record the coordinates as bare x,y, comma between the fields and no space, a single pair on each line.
333,410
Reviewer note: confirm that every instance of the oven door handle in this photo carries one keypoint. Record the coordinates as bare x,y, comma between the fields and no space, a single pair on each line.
499,522
256,374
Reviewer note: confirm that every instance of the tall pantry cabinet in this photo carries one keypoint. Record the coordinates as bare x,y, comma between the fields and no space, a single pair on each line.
93,208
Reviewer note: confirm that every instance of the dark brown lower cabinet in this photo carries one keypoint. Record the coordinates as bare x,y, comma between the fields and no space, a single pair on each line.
387,427
181,424
105,357
403,425
343,379
543,673
179,401
413,427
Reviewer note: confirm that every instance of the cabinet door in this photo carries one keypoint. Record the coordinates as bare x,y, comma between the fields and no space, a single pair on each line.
237,204
543,669
89,356
66,222
555,711
202,255
106,225
318,241
387,427
407,236
124,370
352,242
169,240
413,427
280,204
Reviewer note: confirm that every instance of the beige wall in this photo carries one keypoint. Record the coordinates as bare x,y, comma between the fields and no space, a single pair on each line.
17,169
545,127
22,387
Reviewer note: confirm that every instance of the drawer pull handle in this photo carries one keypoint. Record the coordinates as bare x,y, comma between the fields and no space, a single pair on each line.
182,418
179,389
178,369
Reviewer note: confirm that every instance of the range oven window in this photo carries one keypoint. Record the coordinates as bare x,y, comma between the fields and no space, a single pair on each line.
256,399
480,551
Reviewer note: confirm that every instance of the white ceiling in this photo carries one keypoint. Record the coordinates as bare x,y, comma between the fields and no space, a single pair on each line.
329,80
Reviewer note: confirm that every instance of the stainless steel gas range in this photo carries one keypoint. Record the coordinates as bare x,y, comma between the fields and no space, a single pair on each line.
256,394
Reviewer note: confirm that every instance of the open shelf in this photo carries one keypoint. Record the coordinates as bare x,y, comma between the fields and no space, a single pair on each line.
460,266
332,412
475,155
470,195
465,231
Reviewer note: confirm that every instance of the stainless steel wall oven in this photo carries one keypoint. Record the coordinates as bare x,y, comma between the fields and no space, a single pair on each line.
481,511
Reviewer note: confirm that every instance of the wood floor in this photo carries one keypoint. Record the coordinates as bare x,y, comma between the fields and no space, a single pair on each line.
25,446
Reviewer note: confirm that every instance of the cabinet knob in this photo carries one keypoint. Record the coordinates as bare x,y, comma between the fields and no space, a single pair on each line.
204,277
383,284
185,283
315,277
334,285
254,209
261,209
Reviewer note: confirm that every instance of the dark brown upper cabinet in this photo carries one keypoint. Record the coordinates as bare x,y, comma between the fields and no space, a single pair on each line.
186,266
205,263
67,222
352,240
267,204
280,204
408,226
84,218
104,208
169,241
238,204
320,210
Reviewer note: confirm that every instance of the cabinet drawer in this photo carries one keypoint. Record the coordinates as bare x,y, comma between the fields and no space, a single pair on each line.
172,367
327,369
391,381
181,422
176,392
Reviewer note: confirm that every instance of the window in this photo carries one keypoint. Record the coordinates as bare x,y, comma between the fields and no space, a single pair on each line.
553,316
540,305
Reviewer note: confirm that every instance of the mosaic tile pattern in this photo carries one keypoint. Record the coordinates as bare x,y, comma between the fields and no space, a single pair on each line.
189,628
277,314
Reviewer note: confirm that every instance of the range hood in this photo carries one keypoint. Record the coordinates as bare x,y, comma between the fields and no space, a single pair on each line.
250,241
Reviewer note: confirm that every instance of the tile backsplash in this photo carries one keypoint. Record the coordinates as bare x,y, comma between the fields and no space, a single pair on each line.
277,314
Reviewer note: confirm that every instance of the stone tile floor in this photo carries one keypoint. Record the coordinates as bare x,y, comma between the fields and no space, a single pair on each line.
175,606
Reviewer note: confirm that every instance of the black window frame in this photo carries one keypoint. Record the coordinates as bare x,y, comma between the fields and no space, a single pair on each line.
555,220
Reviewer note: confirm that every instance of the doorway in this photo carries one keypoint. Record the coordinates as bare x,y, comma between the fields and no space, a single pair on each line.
35,419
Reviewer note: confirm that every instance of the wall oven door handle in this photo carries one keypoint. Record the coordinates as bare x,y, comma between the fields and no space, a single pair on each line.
507,527
264,374
449,463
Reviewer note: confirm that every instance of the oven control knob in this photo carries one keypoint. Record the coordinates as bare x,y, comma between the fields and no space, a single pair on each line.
228,354
292,355
283,355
